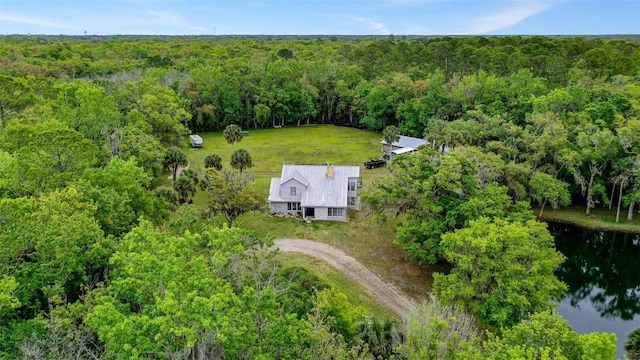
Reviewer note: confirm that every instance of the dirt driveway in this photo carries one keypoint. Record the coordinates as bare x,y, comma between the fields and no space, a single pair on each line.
386,293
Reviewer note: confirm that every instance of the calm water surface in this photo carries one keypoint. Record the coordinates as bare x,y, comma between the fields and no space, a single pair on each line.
602,271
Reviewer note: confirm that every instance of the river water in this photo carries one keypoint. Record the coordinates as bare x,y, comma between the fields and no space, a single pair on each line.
602,271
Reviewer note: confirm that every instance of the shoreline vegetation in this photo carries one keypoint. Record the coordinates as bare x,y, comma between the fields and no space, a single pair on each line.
598,219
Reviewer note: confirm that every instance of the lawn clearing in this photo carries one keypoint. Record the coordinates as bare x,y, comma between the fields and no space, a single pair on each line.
369,243
272,148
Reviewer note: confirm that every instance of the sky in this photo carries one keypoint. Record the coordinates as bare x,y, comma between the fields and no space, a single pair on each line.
320,17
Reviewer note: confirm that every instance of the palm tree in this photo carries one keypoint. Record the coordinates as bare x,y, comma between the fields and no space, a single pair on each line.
184,187
192,174
633,344
383,338
213,161
169,195
391,134
241,159
173,159
233,134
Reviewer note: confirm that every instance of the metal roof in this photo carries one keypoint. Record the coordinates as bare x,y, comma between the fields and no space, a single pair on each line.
322,191
407,142
296,176
274,190
403,151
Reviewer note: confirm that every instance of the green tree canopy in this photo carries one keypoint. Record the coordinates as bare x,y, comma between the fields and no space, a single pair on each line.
441,332
120,191
229,195
438,194
548,336
52,245
502,271
166,296
544,188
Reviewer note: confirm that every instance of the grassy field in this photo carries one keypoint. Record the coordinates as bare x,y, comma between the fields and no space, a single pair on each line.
272,148
602,219
370,243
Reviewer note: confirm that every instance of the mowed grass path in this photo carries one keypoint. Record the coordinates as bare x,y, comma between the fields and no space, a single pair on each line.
368,242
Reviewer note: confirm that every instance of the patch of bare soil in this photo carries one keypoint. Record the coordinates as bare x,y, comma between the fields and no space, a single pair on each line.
395,265
180,170
386,293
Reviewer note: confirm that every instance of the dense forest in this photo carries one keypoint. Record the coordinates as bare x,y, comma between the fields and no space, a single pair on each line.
98,264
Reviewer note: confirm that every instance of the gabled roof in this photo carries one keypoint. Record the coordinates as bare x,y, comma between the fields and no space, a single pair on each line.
322,191
407,142
296,176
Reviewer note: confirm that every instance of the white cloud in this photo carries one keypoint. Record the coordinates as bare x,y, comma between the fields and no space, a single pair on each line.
506,18
23,19
372,24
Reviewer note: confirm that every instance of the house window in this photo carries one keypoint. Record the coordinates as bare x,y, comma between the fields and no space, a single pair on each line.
351,201
292,191
293,206
352,186
334,212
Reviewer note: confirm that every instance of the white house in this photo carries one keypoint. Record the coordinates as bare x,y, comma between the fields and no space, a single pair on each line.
316,192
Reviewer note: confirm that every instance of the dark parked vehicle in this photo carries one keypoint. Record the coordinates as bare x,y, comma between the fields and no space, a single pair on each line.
374,163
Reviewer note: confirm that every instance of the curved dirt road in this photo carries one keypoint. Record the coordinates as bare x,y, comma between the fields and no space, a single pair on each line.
384,292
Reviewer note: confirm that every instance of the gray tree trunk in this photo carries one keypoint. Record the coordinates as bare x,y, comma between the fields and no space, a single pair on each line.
4,121
613,190
544,202
619,201
589,195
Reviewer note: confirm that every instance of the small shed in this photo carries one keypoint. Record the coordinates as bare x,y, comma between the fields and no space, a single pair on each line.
195,140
